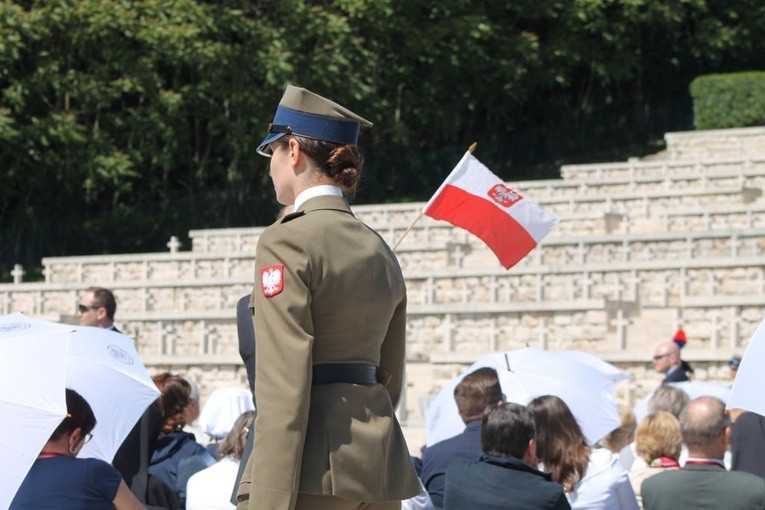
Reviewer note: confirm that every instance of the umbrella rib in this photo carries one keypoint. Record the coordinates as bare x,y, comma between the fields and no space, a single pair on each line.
507,362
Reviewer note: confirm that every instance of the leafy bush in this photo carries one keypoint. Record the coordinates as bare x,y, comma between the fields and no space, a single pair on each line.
729,100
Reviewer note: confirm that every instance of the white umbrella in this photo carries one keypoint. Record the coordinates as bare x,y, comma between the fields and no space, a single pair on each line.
101,365
747,390
32,402
694,389
524,374
605,368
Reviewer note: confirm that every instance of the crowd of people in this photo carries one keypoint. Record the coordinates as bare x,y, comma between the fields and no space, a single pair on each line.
685,453
163,463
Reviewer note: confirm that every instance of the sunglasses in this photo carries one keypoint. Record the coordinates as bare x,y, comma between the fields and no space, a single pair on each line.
84,309
659,356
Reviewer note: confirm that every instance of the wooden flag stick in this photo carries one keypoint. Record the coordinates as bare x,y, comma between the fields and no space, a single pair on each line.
411,226
407,231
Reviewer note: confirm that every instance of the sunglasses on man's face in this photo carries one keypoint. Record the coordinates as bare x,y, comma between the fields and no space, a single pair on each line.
84,308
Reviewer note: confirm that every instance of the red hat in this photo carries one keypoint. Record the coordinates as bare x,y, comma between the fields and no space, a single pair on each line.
680,338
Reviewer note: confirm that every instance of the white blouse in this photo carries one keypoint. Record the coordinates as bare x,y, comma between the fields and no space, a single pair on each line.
605,486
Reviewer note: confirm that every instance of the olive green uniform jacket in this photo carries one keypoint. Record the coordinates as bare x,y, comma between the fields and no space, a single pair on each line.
341,298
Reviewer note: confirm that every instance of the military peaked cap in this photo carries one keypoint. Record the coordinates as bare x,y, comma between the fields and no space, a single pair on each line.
303,113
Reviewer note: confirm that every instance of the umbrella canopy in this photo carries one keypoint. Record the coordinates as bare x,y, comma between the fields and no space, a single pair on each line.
32,401
694,389
583,381
746,392
101,365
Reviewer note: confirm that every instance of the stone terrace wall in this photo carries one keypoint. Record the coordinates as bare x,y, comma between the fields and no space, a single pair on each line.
715,143
642,248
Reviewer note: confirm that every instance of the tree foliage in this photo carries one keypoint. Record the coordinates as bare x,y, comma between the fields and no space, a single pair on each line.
114,112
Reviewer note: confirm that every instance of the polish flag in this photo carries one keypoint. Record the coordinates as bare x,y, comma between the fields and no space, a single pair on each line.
475,199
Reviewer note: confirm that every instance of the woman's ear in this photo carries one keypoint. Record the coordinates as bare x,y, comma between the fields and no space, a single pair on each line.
75,438
295,154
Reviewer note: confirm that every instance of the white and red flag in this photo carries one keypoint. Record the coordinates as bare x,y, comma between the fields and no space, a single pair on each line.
475,199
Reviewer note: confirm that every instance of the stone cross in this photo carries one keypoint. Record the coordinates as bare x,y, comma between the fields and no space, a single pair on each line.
493,286
173,244
626,249
682,279
542,331
167,339
457,254
689,248
448,332
465,292
581,252
493,334
48,273
715,330
735,243
586,282
621,323
17,273
712,282
238,243
634,282
735,323
706,219
204,345
539,287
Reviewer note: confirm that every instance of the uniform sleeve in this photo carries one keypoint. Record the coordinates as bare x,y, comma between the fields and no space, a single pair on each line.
283,368
393,353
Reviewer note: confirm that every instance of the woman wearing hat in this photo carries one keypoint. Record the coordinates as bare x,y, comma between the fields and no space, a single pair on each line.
330,318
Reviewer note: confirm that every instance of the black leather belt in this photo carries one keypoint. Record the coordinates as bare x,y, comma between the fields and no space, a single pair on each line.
352,373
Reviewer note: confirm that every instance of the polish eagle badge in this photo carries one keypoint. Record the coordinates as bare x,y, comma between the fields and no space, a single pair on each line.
272,280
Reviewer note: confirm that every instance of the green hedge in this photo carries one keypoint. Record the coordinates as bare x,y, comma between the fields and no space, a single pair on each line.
729,100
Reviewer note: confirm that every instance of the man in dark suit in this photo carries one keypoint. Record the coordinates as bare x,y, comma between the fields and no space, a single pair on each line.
505,476
748,444
96,308
473,394
703,483
246,333
666,360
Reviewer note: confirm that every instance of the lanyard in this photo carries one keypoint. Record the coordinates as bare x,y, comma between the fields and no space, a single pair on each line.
49,454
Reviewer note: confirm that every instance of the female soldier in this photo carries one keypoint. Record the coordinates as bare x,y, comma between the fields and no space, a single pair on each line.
330,319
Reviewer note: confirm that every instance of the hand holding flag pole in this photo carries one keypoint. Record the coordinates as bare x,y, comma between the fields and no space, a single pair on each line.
475,199
411,225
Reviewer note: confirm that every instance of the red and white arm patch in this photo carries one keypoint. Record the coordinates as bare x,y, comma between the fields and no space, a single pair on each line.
272,280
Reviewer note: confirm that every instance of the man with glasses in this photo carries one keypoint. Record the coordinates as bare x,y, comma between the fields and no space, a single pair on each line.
703,482
96,308
666,360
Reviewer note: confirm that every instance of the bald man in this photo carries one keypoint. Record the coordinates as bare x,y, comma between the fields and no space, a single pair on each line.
666,360
704,482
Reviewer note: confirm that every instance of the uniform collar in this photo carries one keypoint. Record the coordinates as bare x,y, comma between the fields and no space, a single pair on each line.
325,202
316,191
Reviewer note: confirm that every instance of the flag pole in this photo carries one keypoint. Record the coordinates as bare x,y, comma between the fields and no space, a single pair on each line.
411,226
